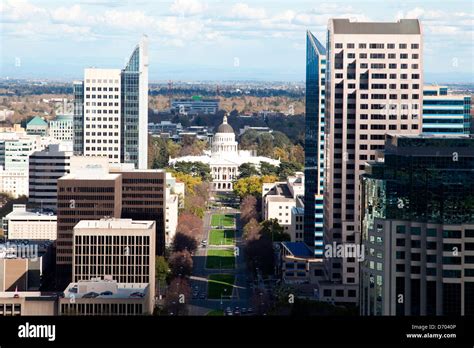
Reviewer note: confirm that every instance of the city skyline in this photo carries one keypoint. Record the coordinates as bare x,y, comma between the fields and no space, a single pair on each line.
211,40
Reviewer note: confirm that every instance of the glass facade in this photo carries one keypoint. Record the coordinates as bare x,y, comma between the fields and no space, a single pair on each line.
78,118
314,143
130,109
445,114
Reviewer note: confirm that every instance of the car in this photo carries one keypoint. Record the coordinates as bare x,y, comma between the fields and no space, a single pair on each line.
228,309
195,296
236,312
250,310
229,313
244,311
137,294
106,293
202,296
204,241
91,294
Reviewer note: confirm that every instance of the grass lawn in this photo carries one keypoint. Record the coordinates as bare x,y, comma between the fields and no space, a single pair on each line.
217,284
215,313
226,220
220,258
222,237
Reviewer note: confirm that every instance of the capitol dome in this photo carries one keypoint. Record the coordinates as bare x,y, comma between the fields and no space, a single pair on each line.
225,127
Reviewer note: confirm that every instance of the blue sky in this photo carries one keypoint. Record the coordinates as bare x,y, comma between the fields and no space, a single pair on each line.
213,40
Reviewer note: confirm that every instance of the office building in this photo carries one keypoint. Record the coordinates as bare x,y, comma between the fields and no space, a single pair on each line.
29,224
194,106
105,297
62,128
279,198
111,111
171,216
37,126
87,193
122,250
28,303
445,113
314,143
95,189
418,227
45,168
374,86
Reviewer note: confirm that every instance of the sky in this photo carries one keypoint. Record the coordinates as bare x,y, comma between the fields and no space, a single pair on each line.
192,40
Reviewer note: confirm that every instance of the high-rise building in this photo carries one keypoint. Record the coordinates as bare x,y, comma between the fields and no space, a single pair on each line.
445,113
374,85
45,168
314,143
418,227
111,111
62,128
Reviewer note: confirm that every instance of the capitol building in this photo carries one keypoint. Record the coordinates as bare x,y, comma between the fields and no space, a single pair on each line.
224,158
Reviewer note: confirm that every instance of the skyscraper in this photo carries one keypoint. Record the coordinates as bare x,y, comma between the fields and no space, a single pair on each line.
418,227
374,85
314,143
111,111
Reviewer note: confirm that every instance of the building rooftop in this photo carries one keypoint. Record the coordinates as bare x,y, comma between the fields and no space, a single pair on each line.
401,27
113,223
298,249
105,289
37,121
19,212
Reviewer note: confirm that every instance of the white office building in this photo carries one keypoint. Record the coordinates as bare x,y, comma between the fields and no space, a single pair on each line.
30,225
62,128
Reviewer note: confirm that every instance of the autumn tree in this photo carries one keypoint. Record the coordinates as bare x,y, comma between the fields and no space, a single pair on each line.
190,225
248,209
178,295
247,169
182,241
181,263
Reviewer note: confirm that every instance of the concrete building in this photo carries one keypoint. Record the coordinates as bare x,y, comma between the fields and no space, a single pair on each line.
445,113
195,106
314,142
418,227
105,297
298,264
296,230
165,127
28,303
279,198
111,111
37,126
62,128
23,267
374,85
225,158
45,168
122,250
96,189
29,224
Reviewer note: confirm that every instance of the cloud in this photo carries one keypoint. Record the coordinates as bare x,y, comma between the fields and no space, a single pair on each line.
187,7
19,10
244,11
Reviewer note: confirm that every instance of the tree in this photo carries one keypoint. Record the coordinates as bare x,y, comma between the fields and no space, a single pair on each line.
271,229
251,185
189,181
297,154
287,169
181,263
182,241
247,169
265,145
268,169
177,296
248,209
252,230
190,225
280,153
196,169
162,268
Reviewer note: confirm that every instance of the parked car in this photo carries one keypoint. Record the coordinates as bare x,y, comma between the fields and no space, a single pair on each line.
106,293
91,294
202,296
137,294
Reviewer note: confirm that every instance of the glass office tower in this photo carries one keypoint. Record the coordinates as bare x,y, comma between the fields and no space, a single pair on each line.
418,227
314,144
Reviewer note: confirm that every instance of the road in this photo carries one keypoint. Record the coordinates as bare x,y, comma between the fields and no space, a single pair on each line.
241,291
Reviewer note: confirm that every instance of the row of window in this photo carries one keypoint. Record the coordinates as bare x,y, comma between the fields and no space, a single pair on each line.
413,46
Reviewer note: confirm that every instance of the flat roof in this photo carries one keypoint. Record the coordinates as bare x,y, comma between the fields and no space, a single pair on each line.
401,27
115,224
122,290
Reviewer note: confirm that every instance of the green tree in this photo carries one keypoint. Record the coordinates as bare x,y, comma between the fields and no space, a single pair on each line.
162,268
196,169
268,169
272,230
247,169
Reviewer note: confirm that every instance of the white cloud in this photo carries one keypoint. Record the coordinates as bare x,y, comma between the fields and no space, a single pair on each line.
19,10
187,7
244,11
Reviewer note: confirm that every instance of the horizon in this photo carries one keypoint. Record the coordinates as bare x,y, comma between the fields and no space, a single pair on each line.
190,40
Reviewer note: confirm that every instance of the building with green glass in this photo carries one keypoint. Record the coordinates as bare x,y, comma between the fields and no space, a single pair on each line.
418,227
